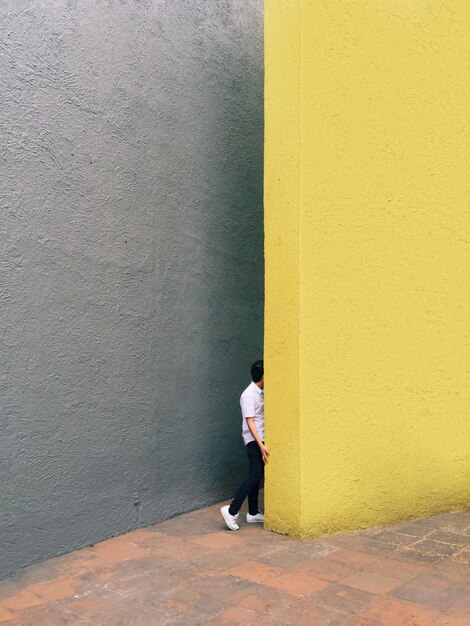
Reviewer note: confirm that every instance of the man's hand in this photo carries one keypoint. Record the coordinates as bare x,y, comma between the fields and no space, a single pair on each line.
264,453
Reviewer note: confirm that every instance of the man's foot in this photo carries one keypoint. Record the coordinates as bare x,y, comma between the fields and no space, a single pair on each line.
230,520
252,519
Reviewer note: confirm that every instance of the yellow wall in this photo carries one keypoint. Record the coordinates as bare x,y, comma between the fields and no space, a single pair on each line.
282,162
367,209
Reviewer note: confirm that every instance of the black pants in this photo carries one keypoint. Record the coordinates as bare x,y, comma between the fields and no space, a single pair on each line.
250,486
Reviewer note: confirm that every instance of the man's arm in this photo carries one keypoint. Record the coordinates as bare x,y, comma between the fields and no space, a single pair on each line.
264,451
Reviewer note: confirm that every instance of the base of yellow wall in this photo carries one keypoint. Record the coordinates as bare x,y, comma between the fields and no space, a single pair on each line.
283,527
313,532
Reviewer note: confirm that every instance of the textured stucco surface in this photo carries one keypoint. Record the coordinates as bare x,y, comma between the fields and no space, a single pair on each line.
282,320
368,150
132,262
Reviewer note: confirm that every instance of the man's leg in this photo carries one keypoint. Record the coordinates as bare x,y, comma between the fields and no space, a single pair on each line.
251,484
258,468
253,508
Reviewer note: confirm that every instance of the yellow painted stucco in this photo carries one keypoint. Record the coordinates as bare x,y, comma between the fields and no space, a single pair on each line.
367,211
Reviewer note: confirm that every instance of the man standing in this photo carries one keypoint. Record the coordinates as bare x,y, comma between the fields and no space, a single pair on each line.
252,407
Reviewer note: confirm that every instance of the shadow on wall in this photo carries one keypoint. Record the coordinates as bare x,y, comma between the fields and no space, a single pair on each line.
214,313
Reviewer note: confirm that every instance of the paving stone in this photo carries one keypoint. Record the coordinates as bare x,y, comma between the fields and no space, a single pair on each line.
364,543
269,600
141,587
186,526
91,607
293,556
115,550
343,598
5,615
236,616
463,557
11,587
458,522
460,609
79,566
176,548
397,539
437,599
308,614
255,571
451,620
389,612
417,556
259,547
225,588
43,572
219,541
312,549
436,547
192,606
112,610
404,570
447,581
327,569
57,589
223,560
146,537
47,616
417,528
133,569
453,538
297,582
454,565
373,582
353,558
23,600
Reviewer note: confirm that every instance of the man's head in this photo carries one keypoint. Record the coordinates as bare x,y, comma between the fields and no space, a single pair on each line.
257,373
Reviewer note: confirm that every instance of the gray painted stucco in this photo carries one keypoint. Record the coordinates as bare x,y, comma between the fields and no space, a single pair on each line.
132,262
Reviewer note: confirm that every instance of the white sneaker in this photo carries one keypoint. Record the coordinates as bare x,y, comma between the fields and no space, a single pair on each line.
230,520
252,519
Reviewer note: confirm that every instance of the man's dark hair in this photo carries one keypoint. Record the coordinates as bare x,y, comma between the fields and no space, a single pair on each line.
257,371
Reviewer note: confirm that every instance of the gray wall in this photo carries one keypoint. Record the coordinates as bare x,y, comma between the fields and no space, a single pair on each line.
132,262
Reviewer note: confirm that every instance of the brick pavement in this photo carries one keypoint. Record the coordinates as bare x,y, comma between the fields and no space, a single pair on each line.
191,571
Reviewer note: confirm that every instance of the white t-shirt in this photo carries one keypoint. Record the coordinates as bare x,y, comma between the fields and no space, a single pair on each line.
252,405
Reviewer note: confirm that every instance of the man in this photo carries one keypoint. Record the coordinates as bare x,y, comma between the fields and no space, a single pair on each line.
252,407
